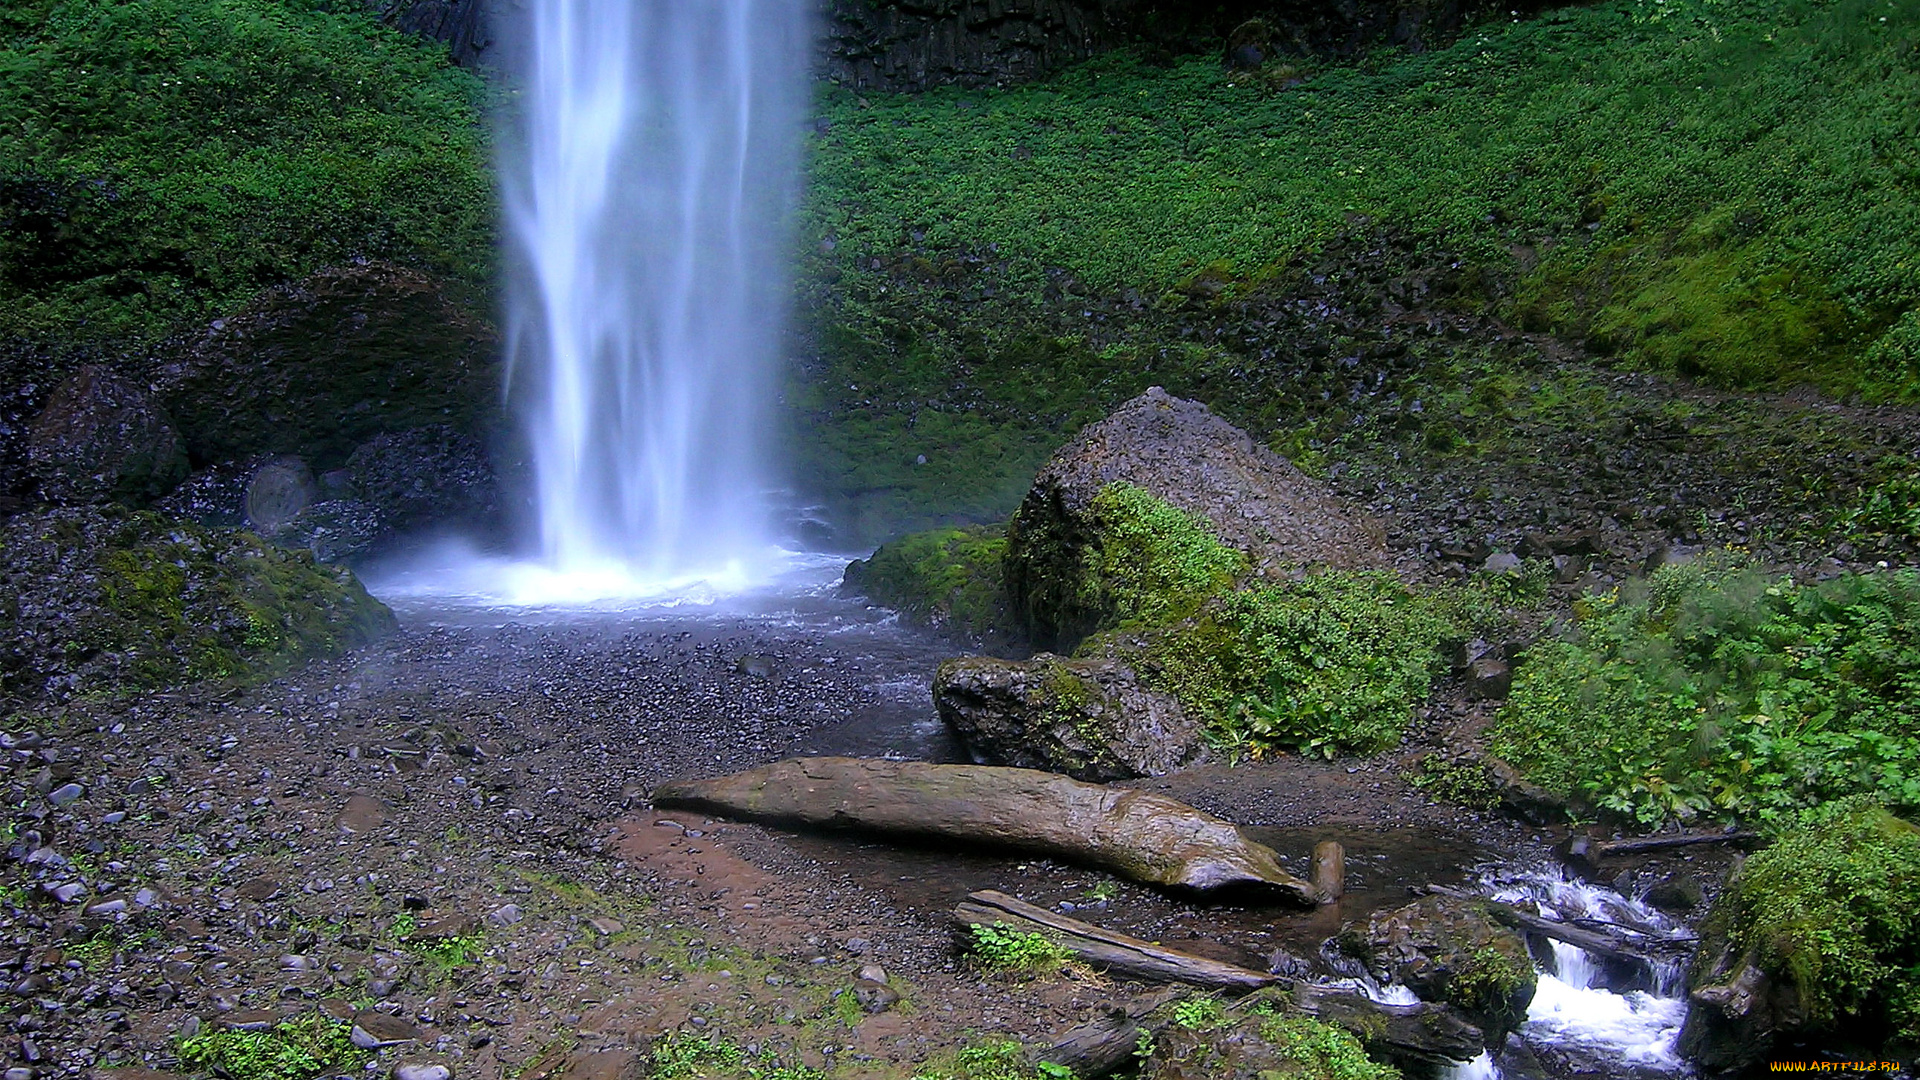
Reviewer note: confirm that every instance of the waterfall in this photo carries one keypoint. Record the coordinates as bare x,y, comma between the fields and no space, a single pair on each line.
649,165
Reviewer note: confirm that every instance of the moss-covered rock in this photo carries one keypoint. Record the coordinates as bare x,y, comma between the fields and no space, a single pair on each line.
1090,719
1150,511
948,578
101,599
1452,951
101,438
1816,939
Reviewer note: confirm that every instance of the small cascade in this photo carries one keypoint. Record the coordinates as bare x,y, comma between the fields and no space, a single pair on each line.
1480,1068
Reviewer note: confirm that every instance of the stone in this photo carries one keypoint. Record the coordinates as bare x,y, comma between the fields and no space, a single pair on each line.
374,1030
422,1071
1090,719
875,997
65,794
1450,950
873,973
250,1020
1178,451
1501,562
258,889
506,915
604,926
277,492
101,438
432,475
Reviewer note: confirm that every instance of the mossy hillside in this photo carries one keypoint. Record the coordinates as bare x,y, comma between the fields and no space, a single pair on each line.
946,577
106,600
1712,690
1729,173
164,160
1829,909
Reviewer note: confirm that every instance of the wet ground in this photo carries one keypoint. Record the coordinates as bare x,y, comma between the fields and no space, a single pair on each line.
449,829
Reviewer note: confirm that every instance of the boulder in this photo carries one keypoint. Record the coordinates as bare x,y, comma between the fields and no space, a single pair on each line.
1452,950
279,490
1090,719
1251,499
100,598
101,438
321,366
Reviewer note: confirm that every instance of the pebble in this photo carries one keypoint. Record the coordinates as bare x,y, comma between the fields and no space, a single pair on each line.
65,794
873,973
19,1072
68,893
373,1030
505,915
423,1072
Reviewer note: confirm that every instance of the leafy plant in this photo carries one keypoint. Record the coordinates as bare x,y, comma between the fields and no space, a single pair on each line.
991,1059
681,1057
1004,948
1199,1013
1713,690
297,1049
1464,783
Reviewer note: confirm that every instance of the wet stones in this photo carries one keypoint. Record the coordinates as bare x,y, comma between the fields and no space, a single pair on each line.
1090,719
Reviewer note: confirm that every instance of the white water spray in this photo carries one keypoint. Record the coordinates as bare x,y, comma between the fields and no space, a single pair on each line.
648,182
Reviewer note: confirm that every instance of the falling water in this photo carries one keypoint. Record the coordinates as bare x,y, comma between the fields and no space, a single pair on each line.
648,176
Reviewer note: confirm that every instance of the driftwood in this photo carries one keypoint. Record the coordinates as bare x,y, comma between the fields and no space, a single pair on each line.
1106,1043
1425,1033
1137,834
1107,949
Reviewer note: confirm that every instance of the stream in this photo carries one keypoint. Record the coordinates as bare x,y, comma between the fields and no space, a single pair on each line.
1587,1018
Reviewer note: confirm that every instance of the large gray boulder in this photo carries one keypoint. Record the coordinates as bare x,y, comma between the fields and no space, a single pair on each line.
1252,499
1090,719
100,438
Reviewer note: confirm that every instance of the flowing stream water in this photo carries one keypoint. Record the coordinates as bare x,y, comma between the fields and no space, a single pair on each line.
648,176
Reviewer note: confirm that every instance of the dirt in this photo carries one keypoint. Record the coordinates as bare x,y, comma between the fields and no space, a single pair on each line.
450,827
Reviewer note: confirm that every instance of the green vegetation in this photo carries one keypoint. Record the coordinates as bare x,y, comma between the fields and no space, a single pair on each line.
1829,908
1715,690
297,1049
1002,948
1463,783
946,577
1154,563
991,1059
1321,1052
1199,1013
1333,663
166,159
1736,173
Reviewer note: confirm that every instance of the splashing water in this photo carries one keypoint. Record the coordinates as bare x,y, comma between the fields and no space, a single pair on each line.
648,179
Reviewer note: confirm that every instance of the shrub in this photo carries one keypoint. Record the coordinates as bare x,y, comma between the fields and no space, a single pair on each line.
1002,947
1829,907
297,1049
1333,663
1712,689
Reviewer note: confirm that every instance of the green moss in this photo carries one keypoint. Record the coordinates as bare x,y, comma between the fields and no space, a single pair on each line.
1714,690
1131,561
947,577
1491,982
1334,663
1829,907
166,159
103,599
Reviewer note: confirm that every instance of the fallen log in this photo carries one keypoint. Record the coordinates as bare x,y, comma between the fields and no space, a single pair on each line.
1137,834
1641,845
1106,949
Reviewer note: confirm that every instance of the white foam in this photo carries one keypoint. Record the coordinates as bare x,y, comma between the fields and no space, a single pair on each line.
1480,1068
1634,1028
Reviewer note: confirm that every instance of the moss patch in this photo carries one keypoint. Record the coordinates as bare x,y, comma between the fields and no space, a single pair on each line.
103,599
1334,663
946,577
